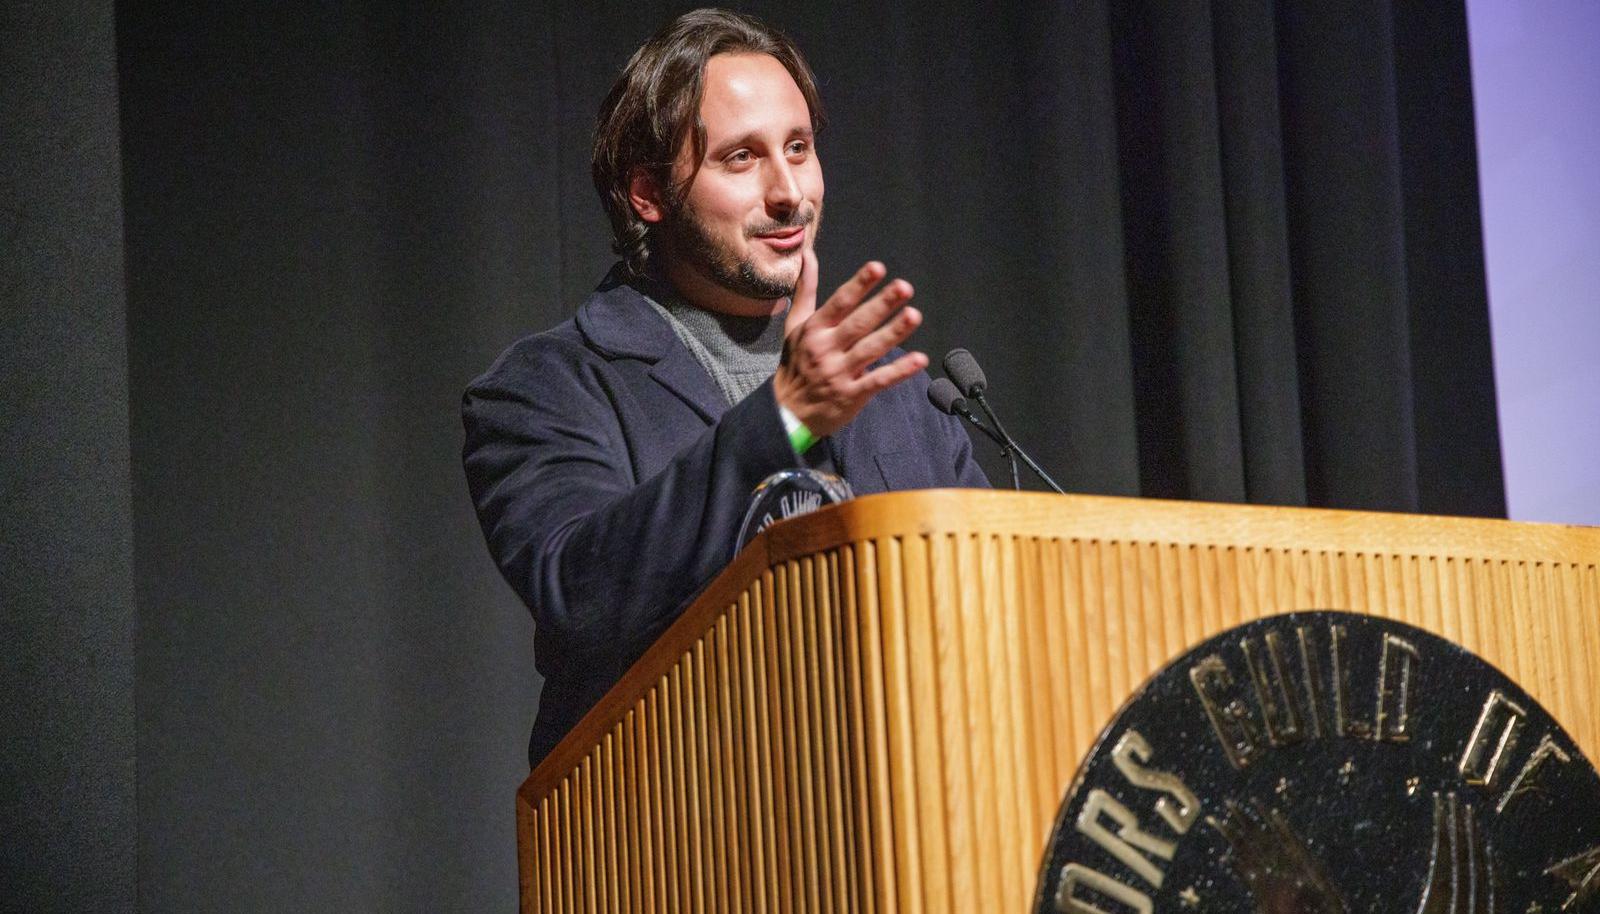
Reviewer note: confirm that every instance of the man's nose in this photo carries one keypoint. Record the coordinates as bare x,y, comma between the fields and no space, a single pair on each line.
783,186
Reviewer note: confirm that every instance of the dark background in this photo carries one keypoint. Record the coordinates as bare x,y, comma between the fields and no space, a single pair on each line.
257,658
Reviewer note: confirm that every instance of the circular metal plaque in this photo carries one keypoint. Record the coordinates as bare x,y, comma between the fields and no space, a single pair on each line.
786,494
1328,763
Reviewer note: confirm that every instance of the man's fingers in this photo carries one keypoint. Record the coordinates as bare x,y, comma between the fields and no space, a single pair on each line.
848,296
873,312
872,347
804,301
886,376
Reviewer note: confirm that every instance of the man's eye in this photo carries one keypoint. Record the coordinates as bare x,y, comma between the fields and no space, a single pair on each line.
740,157
798,148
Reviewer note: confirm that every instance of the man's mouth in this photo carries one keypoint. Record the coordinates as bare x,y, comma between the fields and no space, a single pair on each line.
785,239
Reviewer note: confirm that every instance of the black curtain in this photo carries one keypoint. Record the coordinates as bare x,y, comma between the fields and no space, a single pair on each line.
1226,251
68,825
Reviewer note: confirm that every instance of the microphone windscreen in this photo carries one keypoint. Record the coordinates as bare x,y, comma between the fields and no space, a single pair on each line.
964,371
944,396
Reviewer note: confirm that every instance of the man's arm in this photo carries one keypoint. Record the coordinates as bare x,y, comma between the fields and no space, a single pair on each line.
604,561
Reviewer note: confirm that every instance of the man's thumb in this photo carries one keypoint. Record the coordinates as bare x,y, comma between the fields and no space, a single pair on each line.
803,303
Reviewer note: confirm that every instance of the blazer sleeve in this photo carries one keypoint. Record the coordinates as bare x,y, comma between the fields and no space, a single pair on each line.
604,561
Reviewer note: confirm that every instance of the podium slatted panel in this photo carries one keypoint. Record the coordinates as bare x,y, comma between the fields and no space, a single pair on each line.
736,783
1009,691
888,723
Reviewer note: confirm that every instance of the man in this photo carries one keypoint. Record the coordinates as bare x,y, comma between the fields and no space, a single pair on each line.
612,457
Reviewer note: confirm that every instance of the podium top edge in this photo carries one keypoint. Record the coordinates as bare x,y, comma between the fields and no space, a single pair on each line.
929,512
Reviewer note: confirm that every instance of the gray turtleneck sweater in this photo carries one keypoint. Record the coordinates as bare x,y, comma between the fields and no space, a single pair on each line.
738,352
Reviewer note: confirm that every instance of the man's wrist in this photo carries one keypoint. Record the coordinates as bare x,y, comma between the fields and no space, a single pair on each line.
800,437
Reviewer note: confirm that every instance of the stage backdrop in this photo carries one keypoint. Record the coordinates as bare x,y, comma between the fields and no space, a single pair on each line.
1221,251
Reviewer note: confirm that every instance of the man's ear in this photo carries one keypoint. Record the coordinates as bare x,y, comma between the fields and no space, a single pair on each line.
644,193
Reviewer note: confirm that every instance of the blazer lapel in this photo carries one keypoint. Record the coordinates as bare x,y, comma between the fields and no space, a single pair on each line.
619,323
680,372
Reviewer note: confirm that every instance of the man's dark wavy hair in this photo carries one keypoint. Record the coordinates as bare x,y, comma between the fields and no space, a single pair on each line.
654,107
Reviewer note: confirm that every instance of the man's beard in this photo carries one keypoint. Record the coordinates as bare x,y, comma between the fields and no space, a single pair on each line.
694,244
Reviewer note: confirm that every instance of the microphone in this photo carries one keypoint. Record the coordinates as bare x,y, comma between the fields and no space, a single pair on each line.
948,400
946,396
968,379
964,371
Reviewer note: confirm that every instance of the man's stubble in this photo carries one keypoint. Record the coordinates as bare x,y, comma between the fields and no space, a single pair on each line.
690,241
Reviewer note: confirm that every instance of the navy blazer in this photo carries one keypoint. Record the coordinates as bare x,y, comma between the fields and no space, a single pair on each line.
610,476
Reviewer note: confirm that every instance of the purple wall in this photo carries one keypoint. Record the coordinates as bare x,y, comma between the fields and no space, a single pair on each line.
1536,82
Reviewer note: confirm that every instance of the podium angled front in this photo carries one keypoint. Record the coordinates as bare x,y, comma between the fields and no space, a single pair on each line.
878,707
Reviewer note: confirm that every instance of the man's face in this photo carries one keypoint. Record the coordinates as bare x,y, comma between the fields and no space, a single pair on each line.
756,201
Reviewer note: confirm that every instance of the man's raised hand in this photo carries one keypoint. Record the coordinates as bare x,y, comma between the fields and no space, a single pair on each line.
826,374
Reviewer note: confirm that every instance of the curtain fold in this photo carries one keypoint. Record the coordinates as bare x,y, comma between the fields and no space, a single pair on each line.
68,784
1459,468
1245,45
1176,239
1347,253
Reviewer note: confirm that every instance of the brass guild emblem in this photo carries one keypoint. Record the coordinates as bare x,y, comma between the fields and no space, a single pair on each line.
1328,763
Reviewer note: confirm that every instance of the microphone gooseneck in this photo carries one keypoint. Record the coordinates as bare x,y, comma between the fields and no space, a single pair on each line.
1007,445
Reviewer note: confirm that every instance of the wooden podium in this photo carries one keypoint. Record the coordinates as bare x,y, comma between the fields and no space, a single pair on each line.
879,707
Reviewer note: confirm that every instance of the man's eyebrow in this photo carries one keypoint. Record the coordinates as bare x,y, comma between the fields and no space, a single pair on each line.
752,137
744,139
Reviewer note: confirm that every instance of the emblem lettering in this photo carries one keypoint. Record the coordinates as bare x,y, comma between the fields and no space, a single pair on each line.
1582,873
1128,836
1183,808
1230,718
1395,666
1280,711
1493,738
1343,723
1076,874
1311,674
793,504
1527,780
